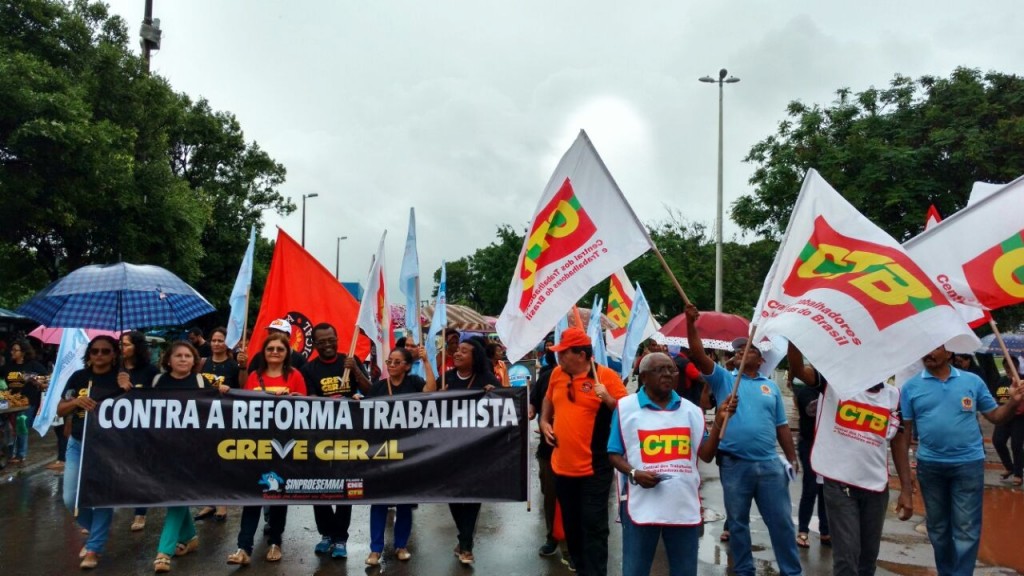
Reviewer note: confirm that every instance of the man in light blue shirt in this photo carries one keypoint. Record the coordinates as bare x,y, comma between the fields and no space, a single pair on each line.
750,468
943,403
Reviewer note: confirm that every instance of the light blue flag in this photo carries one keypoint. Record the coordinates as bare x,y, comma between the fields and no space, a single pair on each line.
439,320
409,278
239,294
70,353
596,334
638,319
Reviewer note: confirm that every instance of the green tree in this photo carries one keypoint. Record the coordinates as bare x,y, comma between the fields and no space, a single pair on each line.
894,151
100,162
481,279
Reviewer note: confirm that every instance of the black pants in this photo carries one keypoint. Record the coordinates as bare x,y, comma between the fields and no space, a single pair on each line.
856,519
62,443
278,515
584,502
333,522
1012,432
465,522
810,493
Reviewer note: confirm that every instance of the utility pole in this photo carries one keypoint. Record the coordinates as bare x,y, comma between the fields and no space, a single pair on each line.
149,34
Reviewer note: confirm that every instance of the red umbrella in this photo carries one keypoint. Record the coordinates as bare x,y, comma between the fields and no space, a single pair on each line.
717,330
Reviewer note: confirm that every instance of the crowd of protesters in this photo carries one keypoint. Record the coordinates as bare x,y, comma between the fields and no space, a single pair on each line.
597,436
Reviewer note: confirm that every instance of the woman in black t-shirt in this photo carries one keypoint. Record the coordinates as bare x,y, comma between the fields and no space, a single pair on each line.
219,369
85,389
181,372
21,376
472,371
399,380
136,372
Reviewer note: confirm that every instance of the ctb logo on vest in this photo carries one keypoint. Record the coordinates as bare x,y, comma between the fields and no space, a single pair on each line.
888,284
862,418
664,445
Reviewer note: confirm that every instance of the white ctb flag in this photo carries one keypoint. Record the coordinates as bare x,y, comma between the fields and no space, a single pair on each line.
583,230
850,297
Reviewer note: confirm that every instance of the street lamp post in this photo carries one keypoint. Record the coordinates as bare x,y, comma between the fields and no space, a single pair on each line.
304,196
337,259
722,80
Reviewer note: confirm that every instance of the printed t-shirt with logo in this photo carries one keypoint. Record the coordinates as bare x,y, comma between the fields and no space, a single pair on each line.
760,411
660,441
582,421
851,445
292,384
945,415
14,374
324,378
103,386
217,373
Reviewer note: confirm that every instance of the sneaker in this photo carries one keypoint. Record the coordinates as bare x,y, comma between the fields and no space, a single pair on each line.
340,550
548,549
567,560
323,546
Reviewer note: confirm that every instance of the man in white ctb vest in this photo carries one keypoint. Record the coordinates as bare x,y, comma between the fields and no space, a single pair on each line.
850,453
652,442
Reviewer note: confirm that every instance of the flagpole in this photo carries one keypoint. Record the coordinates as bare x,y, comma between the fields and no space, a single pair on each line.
671,276
351,353
418,328
739,375
444,350
1007,362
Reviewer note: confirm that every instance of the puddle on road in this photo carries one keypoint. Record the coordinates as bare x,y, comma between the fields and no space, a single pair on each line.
1000,529
905,569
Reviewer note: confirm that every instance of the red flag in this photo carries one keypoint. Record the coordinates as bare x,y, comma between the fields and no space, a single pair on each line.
932,217
300,290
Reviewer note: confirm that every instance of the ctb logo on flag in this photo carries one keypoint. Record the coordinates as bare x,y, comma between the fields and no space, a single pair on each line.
561,228
996,276
619,306
881,279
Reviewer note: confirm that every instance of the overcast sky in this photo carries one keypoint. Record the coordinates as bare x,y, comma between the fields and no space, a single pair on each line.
461,109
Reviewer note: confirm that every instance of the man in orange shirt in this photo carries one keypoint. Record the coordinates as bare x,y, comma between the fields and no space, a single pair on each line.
584,401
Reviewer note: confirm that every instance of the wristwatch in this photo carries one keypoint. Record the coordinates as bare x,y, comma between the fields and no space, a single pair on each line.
632,475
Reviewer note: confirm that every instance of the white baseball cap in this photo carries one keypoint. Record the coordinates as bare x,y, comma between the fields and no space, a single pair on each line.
281,325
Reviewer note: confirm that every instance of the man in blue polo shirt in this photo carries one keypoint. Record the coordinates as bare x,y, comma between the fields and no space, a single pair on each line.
943,403
750,468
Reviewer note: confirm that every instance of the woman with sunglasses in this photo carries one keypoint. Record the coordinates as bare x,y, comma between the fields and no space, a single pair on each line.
20,374
472,371
399,380
181,372
276,377
136,372
85,389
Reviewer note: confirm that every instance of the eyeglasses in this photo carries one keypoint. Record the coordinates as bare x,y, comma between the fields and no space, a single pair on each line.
390,362
670,370
275,350
572,393
327,341
100,351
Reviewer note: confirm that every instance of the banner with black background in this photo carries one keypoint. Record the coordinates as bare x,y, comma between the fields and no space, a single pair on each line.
178,447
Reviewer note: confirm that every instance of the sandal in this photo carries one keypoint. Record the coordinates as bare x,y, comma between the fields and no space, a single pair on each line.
239,558
1017,481
826,540
162,564
403,554
184,548
801,540
274,553
373,559
139,523
221,514
466,557
205,513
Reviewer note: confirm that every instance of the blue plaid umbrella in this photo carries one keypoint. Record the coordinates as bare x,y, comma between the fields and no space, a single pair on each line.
115,297
1014,344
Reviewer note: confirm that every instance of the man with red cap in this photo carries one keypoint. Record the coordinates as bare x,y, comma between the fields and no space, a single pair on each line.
583,395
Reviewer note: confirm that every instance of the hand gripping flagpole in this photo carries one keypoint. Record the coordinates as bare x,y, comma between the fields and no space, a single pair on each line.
1010,366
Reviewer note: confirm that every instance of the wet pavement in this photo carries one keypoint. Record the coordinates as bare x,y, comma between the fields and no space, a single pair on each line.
38,536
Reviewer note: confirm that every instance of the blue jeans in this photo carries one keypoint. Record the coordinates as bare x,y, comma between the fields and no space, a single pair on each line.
765,483
640,542
95,520
379,521
952,499
21,440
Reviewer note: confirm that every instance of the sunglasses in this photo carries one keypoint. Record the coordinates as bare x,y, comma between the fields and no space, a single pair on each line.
572,392
275,350
100,351
390,362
